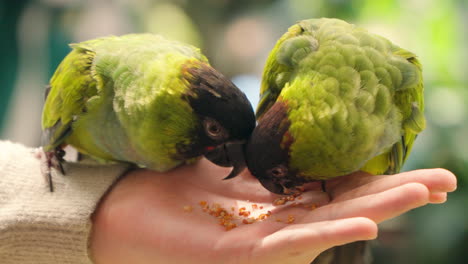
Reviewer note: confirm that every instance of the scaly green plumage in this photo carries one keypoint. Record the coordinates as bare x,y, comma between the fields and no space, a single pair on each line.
126,99
354,100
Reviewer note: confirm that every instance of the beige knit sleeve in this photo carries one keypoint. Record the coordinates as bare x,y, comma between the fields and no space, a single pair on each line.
37,226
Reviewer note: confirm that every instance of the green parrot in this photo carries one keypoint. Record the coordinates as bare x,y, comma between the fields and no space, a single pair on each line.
145,100
335,99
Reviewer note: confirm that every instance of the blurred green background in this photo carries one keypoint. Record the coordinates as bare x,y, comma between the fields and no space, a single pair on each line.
237,35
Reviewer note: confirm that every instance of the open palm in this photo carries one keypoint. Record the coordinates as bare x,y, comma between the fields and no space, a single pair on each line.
151,217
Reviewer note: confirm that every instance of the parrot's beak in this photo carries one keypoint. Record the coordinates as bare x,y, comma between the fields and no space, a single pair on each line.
230,154
272,186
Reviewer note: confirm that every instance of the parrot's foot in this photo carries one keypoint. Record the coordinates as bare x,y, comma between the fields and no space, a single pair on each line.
323,184
51,159
79,157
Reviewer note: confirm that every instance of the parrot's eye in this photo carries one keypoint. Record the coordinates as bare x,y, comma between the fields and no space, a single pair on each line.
213,129
279,171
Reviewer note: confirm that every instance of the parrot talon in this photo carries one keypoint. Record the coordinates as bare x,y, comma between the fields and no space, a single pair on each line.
59,154
46,165
56,160
52,159
49,181
323,184
60,167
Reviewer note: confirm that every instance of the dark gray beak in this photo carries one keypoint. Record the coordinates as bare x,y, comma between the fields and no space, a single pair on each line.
230,154
272,186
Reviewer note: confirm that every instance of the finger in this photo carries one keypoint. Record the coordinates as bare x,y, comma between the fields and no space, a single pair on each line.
438,197
436,180
301,243
378,207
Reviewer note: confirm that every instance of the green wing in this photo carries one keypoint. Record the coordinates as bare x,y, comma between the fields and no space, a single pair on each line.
70,88
409,99
282,64
411,102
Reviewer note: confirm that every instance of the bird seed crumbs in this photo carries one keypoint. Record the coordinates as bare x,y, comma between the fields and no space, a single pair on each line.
231,220
284,199
243,212
279,201
228,219
249,221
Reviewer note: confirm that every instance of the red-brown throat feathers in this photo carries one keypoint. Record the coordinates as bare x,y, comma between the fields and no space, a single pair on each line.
267,147
268,151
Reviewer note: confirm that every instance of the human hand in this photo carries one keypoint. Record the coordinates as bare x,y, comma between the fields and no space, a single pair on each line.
142,219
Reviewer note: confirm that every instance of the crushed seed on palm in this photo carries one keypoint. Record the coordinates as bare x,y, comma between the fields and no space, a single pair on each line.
230,220
284,199
233,218
249,221
188,208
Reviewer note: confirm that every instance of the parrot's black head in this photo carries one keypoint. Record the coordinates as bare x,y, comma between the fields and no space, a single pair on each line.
226,116
267,152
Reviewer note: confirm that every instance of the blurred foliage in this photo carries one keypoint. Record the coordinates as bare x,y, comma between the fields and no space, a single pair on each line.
9,14
237,35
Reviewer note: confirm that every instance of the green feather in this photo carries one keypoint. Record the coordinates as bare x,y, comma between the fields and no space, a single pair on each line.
63,104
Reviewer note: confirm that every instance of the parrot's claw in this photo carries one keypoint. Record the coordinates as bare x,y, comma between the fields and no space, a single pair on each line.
59,154
51,159
49,180
324,186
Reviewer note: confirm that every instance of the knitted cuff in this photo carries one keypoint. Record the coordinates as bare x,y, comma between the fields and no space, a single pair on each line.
39,226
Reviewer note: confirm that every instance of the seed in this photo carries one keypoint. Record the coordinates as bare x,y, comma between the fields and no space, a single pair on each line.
188,208
263,216
279,201
248,221
243,212
230,226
